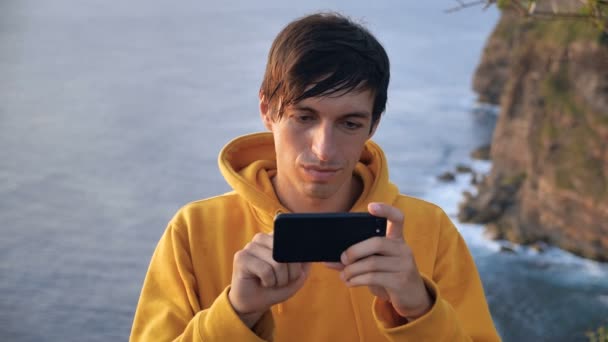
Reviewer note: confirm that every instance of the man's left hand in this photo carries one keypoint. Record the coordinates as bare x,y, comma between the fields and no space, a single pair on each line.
387,266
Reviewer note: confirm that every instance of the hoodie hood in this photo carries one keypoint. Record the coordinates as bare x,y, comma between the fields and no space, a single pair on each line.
249,162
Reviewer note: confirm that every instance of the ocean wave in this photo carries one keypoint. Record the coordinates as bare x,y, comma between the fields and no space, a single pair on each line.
448,195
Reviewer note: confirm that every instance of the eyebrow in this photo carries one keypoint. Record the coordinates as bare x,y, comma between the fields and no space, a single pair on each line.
357,114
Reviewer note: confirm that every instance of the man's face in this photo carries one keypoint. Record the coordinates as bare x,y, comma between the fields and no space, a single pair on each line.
318,142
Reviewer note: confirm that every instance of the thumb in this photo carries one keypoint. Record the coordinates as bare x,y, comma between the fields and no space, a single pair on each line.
394,217
303,276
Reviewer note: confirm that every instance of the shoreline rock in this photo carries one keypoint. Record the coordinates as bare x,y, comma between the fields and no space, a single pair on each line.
549,176
446,177
461,168
481,153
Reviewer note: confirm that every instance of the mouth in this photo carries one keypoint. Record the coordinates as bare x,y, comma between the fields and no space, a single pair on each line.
320,174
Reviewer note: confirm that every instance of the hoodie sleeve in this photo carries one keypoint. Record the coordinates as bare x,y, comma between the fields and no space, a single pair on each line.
460,311
169,309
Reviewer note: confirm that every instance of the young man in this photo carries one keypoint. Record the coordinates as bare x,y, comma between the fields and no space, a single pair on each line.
212,276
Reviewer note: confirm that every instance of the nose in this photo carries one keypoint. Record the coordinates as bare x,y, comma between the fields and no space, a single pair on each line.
323,142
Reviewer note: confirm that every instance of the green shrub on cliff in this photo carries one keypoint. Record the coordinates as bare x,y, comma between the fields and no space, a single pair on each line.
567,130
600,335
594,12
563,32
558,94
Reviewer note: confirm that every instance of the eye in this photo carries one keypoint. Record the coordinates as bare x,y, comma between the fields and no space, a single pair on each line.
352,125
303,118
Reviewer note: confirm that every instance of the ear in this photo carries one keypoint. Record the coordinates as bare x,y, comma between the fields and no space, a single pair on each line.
265,113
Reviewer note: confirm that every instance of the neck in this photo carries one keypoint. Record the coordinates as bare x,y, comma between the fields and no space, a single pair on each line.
341,201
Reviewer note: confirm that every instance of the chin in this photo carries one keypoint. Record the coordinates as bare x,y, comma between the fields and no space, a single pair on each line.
320,191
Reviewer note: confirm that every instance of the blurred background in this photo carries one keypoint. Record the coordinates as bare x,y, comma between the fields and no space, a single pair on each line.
112,115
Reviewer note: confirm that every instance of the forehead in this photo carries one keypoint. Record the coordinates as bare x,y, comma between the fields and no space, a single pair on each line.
359,101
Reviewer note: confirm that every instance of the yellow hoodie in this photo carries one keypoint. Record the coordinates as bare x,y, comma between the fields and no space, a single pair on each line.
184,296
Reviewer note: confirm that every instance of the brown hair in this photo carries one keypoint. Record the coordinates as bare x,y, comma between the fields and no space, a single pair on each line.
330,52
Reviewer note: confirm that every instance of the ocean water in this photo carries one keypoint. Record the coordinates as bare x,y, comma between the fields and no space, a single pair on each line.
112,115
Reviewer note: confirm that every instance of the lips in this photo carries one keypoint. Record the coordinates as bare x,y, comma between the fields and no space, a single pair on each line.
319,174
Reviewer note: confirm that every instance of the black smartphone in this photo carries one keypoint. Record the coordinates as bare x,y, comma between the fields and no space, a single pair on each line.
321,236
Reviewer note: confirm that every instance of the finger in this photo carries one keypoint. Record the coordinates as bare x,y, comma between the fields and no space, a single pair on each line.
372,246
306,267
380,279
394,216
281,271
251,265
375,263
297,284
283,293
263,239
334,265
294,271
261,251
284,272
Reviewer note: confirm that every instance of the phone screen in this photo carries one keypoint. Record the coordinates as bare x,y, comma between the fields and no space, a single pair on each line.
322,236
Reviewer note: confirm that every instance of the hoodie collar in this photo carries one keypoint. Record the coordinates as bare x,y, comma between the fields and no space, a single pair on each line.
249,162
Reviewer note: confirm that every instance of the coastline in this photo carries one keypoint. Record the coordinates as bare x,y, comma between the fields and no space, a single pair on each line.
449,195
549,182
542,287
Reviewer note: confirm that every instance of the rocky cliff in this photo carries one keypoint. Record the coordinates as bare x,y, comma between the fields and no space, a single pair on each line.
549,178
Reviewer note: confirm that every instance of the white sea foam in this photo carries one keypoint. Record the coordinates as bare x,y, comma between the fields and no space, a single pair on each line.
448,195
486,108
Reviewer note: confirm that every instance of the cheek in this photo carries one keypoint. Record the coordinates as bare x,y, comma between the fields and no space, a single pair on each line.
352,148
287,145
353,155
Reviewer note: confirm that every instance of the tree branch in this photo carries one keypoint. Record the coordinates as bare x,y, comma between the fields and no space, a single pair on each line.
463,5
597,10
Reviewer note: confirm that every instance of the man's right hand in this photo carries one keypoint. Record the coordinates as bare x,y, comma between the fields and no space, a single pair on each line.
258,282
